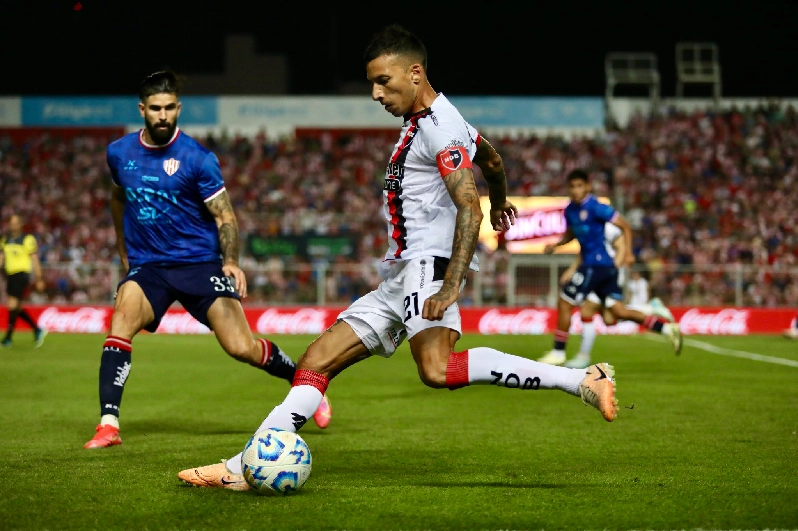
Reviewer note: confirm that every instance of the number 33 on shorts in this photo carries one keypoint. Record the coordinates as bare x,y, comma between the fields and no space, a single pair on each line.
223,284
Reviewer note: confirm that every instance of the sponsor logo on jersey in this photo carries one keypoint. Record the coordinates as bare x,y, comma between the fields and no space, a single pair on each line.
170,166
392,185
131,165
150,178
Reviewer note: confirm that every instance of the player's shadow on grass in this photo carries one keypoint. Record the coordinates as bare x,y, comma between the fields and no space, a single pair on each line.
491,484
142,427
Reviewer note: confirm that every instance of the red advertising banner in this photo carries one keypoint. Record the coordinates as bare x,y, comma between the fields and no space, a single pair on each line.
314,320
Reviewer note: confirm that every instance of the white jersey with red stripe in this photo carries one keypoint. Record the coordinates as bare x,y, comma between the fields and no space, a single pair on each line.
419,211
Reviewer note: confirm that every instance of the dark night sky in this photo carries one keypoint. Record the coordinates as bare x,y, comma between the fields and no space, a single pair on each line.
495,47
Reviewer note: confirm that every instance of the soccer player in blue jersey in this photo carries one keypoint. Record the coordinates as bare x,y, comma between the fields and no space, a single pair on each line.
177,237
585,219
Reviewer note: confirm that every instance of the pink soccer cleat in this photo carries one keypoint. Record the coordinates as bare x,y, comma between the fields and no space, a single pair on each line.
323,414
106,436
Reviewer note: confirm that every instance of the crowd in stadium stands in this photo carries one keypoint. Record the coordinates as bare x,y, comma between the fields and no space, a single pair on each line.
700,189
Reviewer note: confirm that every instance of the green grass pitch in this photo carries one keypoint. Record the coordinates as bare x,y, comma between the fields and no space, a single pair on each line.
702,441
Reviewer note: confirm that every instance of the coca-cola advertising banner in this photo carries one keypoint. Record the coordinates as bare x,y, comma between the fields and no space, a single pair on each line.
310,320
541,220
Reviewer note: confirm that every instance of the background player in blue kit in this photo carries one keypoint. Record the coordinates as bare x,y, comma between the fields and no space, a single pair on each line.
585,218
177,236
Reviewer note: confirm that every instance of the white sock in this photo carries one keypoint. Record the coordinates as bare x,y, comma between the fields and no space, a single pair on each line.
588,337
113,420
489,366
299,406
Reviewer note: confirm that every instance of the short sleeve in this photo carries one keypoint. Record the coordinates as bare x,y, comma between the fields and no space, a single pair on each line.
209,180
29,244
604,213
113,165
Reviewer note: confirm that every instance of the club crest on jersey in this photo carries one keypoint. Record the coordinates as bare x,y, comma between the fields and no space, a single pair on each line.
170,166
452,158
583,215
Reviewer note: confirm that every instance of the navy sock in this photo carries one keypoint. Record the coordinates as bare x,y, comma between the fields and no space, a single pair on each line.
114,370
654,323
276,362
560,339
25,316
12,321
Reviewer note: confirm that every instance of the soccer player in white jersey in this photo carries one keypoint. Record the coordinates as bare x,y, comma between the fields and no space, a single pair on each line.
433,216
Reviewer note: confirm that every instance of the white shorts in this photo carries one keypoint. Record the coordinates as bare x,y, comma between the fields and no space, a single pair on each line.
383,318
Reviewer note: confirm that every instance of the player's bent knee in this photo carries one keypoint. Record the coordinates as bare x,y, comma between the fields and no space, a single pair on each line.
244,350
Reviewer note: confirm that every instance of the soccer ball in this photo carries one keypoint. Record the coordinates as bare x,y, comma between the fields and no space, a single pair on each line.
276,461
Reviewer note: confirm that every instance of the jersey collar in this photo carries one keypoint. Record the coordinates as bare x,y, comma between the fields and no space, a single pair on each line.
152,146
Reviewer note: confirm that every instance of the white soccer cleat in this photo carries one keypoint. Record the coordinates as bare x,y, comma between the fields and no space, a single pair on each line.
213,476
580,361
660,310
553,357
791,333
598,390
674,335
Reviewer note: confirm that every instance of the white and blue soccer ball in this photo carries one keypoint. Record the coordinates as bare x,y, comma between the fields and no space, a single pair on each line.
276,461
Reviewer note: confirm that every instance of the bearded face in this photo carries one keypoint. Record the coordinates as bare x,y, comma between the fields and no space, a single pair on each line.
160,113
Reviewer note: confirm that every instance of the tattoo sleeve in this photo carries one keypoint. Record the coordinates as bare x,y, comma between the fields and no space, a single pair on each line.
463,192
222,211
490,162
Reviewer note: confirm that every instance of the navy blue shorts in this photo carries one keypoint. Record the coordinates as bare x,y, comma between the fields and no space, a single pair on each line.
601,280
195,286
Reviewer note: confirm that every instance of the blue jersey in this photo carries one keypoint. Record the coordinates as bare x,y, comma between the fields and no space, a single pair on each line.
586,220
166,188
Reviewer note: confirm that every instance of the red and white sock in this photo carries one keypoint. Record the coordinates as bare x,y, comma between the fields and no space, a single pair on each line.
484,365
299,405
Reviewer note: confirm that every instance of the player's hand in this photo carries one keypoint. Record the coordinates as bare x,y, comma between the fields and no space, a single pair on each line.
502,217
549,248
628,260
125,265
436,305
566,276
39,284
232,270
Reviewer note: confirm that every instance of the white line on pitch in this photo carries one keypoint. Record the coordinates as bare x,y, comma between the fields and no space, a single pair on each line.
730,352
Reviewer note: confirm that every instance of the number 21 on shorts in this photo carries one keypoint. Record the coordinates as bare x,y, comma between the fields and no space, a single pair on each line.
408,313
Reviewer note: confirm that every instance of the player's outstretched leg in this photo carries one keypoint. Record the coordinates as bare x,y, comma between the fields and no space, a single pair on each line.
653,323
483,365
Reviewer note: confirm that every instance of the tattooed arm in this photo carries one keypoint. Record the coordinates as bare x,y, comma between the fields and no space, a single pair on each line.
463,191
502,212
222,211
